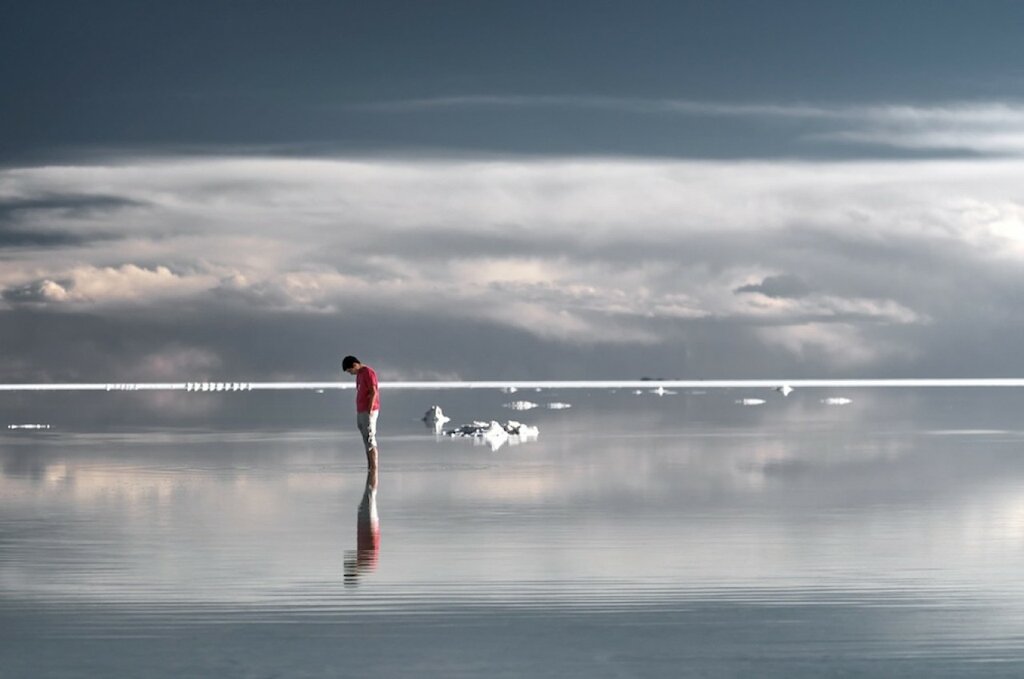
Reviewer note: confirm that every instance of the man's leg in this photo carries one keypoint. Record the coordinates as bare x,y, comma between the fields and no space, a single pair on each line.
368,428
371,443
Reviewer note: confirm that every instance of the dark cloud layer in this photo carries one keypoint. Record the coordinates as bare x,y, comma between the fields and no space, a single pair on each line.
29,222
194,74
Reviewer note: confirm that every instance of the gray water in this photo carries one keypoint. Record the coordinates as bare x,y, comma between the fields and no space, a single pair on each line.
639,536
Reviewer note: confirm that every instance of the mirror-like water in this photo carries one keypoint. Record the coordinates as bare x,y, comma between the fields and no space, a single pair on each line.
641,536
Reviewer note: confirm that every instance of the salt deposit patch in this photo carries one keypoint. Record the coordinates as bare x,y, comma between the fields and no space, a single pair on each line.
495,434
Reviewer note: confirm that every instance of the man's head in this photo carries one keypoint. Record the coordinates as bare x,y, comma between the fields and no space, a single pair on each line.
351,365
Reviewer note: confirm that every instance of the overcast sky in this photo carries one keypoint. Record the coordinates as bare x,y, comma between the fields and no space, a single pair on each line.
251,190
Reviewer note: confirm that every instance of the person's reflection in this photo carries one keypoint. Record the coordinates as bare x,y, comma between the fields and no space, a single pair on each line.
367,534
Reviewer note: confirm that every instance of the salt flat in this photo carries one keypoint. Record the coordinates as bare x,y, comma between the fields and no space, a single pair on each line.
638,535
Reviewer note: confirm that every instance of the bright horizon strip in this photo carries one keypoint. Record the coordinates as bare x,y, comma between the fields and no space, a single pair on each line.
523,384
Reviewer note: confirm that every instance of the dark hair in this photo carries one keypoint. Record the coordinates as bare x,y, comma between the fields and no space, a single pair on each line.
348,362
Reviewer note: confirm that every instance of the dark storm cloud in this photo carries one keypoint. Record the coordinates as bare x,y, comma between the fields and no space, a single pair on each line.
25,222
71,205
16,238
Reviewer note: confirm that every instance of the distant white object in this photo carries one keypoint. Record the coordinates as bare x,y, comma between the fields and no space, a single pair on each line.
662,391
836,401
558,406
785,390
495,434
28,426
750,401
195,386
509,390
521,405
638,392
435,418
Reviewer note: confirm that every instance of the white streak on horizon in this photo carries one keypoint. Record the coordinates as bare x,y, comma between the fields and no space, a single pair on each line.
526,384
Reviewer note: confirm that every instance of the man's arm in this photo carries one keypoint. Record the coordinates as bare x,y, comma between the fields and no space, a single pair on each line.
371,389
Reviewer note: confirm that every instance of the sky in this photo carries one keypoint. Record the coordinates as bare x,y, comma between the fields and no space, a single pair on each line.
249,191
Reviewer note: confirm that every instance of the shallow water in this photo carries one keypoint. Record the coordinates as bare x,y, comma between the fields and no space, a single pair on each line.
683,535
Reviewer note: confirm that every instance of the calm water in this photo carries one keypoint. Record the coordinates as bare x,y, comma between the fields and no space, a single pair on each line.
640,536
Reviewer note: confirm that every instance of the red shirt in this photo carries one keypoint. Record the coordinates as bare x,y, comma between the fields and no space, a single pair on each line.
366,381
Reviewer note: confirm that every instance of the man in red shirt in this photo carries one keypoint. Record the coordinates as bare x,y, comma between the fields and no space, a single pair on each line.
367,405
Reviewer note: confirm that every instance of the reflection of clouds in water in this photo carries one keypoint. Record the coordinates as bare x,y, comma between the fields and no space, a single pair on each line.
781,498
706,512
800,448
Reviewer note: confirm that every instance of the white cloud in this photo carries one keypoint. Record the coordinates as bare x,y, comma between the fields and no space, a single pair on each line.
125,283
823,306
991,127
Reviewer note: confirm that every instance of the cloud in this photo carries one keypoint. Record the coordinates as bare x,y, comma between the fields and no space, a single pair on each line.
689,258
784,285
37,292
101,285
174,360
986,127
839,344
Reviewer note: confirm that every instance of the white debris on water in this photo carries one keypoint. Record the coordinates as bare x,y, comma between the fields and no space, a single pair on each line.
785,390
495,434
509,390
28,426
521,405
558,406
750,401
836,401
662,391
435,418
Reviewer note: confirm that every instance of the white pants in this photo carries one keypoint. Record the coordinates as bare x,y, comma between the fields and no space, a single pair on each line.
367,423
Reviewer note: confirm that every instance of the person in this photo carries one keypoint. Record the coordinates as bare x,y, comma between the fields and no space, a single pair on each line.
367,406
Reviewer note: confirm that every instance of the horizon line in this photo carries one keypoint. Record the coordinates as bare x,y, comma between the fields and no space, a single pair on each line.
653,383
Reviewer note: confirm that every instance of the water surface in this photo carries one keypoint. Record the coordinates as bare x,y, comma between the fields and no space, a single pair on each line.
682,535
